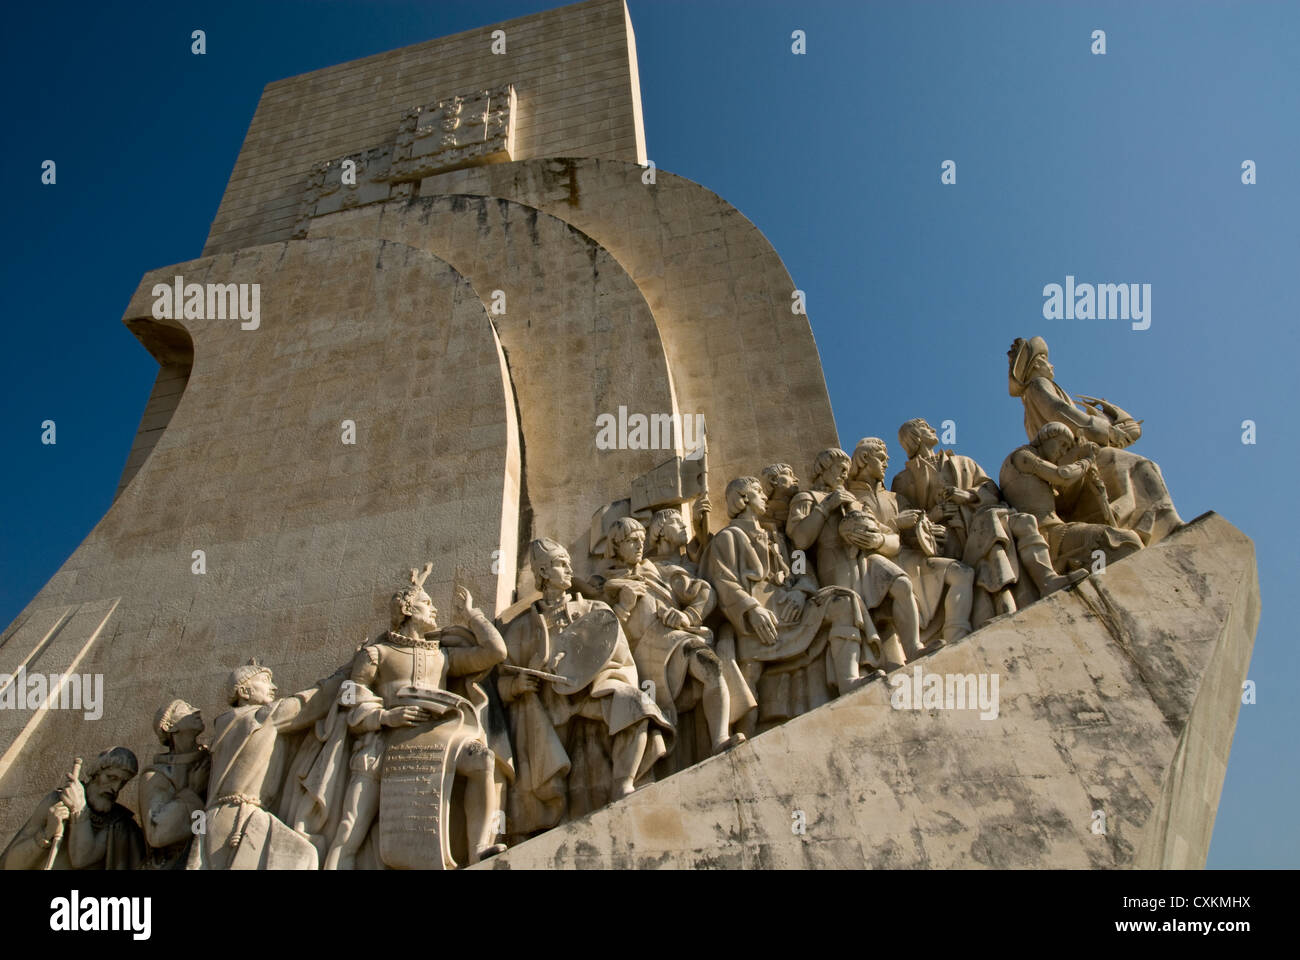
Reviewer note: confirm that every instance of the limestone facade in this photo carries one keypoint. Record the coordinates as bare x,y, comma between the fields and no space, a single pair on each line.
473,431
359,375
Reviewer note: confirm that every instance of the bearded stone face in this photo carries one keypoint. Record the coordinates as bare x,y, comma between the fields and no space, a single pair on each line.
102,790
674,531
424,615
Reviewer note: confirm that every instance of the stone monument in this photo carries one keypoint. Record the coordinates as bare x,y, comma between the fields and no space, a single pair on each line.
466,321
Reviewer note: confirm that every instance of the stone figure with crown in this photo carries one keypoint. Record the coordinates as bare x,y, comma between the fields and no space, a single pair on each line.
418,721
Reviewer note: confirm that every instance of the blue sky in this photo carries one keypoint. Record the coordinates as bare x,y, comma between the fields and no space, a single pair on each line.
1117,168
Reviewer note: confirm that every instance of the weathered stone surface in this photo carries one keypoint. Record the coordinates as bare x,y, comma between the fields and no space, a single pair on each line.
1119,695
574,73
53,640
719,292
246,524
462,131
301,532
579,339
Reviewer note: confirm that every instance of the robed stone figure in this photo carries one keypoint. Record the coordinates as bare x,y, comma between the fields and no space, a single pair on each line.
589,735
419,721
797,644
662,608
174,787
252,748
81,826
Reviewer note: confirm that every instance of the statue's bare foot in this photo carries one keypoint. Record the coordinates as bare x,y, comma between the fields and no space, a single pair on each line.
491,851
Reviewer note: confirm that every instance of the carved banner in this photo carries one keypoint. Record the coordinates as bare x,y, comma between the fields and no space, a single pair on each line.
415,795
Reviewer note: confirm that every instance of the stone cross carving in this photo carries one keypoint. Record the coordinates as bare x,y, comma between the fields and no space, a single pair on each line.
465,130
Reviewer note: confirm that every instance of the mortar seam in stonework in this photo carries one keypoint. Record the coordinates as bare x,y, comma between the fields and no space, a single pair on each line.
17,627
48,640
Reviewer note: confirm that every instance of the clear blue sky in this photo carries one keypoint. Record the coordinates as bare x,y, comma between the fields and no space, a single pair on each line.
1117,168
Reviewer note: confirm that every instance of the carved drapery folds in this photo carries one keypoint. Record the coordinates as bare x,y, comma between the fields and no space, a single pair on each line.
436,747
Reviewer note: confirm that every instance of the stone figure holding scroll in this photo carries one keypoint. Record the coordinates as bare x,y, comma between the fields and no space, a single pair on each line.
1135,488
81,826
584,733
414,735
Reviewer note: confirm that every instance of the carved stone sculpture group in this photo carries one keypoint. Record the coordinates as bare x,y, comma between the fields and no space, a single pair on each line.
437,747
